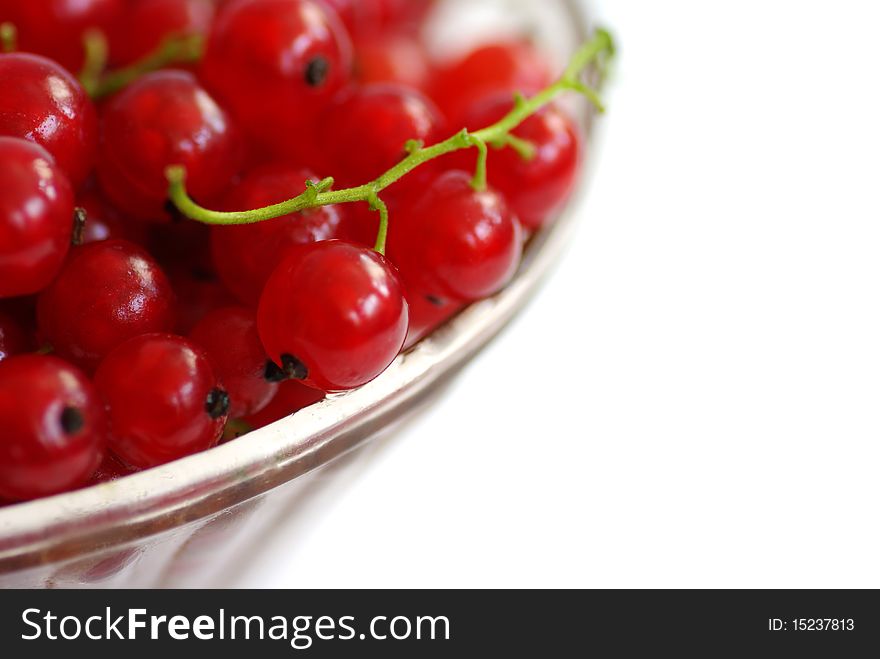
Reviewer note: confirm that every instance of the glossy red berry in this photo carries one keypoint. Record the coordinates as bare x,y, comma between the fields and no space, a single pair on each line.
53,427
507,66
165,401
334,315
165,118
55,28
454,243
149,23
50,108
245,256
394,114
276,64
107,293
291,397
36,217
535,188
231,339
14,337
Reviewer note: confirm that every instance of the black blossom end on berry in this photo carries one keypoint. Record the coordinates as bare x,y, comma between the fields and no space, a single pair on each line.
80,217
435,301
217,404
317,71
274,373
72,420
294,368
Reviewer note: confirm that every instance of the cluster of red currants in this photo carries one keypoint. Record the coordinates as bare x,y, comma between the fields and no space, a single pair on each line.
133,340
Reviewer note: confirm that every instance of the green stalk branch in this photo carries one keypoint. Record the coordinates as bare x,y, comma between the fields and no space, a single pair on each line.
174,50
97,52
8,38
499,135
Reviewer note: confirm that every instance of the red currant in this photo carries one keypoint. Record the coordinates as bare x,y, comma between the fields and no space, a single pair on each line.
395,59
537,187
276,64
333,314
49,107
292,396
55,28
164,398
514,65
54,427
14,337
151,22
245,256
165,118
36,217
394,114
454,243
427,313
401,15
368,17
107,293
230,338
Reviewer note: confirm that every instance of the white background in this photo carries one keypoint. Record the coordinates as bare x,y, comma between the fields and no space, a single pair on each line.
693,399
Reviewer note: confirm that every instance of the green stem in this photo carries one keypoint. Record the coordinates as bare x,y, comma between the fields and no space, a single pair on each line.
525,149
175,50
377,204
8,38
97,51
498,135
481,178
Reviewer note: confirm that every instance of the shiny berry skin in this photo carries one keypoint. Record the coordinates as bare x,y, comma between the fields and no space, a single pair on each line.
165,118
14,338
50,108
36,217
333,315
507,66
454,243
538,187
245,256
54,427
394,114
107,292
230,338
292,396
151,22
164,399
55,28
276,64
